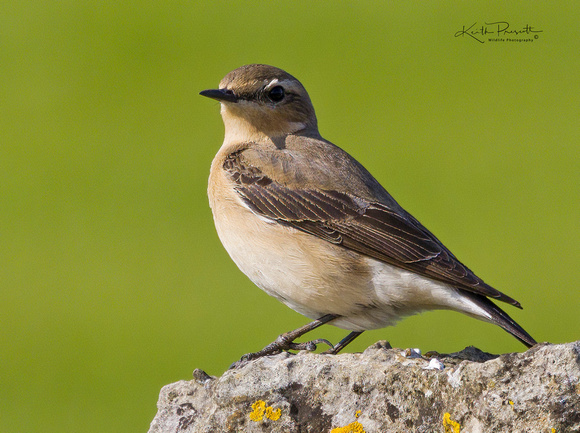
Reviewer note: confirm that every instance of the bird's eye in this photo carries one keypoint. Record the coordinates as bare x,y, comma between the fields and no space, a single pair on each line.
276,94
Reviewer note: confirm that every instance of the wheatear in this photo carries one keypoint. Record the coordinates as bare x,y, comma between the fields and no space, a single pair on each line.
309,225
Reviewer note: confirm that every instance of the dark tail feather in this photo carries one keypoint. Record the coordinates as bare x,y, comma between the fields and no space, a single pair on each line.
501,318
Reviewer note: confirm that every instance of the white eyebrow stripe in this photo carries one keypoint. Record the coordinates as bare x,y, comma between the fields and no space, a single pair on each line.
276,82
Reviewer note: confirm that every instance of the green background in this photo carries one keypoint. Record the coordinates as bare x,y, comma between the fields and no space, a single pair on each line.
113,282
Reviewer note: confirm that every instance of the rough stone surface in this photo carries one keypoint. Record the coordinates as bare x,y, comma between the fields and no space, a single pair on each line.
383,390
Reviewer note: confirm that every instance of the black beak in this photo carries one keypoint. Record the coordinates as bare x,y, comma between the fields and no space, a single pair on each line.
220,95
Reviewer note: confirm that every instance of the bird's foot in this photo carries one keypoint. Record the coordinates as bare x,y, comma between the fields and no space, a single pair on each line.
282,343
286,342
311,346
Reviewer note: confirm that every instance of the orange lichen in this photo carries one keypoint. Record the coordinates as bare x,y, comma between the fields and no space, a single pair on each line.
357,413
450,425
511,402
353,427
273,414
259,411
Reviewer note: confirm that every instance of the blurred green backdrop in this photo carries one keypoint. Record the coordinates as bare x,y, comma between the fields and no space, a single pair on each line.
113,281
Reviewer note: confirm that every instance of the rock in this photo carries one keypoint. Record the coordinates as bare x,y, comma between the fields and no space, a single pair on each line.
383,390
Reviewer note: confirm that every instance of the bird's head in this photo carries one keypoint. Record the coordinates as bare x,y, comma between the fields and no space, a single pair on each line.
261,102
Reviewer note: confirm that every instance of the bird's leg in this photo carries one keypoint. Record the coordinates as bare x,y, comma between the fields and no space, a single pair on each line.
286,341
343,343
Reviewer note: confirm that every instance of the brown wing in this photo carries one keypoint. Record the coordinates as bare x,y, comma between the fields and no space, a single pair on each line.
373,229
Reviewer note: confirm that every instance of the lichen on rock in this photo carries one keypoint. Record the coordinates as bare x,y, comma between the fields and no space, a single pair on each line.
380,390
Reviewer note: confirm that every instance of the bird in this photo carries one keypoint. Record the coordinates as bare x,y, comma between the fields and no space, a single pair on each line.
310,226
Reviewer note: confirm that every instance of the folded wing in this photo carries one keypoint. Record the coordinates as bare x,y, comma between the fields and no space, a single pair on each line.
389,235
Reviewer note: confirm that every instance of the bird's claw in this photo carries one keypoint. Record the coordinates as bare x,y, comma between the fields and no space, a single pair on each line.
310,346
